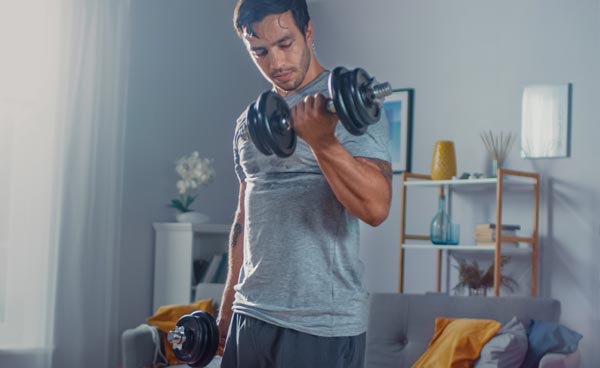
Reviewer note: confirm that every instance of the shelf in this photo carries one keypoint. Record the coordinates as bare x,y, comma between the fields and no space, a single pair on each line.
469,248
186,226
460,182
507,179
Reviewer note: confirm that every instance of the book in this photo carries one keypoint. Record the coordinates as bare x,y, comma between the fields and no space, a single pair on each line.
221,275
488,243
493,227
199,267
491,235
212,268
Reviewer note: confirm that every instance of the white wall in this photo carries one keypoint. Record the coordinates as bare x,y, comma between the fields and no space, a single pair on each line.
190,78
468,62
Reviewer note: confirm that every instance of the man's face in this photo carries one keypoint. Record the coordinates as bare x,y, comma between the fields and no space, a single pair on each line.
280,51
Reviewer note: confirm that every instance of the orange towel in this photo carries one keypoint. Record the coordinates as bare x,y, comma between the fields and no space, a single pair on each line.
166,318
457,343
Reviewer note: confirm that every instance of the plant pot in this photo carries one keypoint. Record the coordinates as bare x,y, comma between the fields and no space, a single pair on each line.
478,292
193,217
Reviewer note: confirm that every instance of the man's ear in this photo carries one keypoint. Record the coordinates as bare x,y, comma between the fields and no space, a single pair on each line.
308,34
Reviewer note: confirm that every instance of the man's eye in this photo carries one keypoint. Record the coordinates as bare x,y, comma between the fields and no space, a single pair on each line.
285,45
260,53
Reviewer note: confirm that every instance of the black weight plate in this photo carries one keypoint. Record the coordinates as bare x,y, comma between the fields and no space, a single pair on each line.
263,124
365,105
336,91
210,338
271,109
213,337
357,126
254,129
188,350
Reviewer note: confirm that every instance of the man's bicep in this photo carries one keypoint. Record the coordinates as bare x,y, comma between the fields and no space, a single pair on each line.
383,166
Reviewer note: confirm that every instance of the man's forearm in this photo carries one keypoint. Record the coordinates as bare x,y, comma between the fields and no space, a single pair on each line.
236,259
362,185
235,262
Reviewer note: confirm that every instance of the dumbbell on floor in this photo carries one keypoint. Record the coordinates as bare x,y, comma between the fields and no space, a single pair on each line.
355,97
195,339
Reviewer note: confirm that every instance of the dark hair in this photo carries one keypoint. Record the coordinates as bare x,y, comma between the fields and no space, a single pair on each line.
248,12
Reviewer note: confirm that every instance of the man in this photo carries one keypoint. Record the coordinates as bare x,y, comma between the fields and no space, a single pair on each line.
294,294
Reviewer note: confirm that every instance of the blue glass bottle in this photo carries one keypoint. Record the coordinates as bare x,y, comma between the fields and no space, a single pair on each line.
440,222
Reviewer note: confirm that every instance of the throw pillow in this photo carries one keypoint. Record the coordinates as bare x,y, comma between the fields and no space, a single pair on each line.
549,337
456,343
507,349
166,318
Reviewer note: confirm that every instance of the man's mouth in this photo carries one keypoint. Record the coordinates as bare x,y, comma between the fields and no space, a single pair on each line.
283,77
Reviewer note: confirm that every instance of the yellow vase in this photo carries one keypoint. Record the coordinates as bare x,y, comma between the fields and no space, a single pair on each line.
443,163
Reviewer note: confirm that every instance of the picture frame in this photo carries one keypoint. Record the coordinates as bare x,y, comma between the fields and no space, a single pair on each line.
546,121
398,108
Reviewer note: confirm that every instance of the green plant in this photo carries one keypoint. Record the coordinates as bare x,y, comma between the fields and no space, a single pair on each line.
471,276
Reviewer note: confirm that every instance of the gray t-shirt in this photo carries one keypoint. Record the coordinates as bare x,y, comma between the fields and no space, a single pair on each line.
301,265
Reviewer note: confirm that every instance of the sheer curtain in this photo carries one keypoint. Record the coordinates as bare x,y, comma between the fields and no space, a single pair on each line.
63,80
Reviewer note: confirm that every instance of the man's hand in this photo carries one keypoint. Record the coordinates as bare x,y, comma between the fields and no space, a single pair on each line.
223,331
313,123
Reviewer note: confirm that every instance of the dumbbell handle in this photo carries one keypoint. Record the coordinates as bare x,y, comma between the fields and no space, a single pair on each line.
379,91
177,337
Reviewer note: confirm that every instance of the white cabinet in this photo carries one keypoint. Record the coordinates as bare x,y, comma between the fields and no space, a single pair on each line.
177,245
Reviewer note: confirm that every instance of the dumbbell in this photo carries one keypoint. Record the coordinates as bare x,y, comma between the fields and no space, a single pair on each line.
355,97
195,339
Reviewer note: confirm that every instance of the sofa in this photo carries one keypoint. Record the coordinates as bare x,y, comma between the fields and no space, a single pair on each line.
401,326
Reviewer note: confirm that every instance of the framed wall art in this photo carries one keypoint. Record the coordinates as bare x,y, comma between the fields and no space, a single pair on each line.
399,112
546,121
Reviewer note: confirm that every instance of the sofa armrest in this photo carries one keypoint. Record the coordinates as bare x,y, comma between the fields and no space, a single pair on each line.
553,360
139,346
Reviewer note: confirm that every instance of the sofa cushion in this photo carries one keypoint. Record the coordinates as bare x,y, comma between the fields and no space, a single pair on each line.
507,349
457,342
549,337
401,325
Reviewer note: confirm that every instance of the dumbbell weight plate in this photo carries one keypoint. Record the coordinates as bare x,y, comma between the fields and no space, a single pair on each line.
255,131
356,125
189,349
366,107
271,111
208,341
336,92
201,339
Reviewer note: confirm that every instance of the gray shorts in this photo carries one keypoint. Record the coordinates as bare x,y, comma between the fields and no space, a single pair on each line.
252,343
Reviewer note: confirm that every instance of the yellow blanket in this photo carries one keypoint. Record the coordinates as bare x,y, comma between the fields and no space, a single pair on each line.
457,343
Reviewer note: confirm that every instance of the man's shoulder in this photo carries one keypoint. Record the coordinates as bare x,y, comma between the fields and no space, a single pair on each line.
241,119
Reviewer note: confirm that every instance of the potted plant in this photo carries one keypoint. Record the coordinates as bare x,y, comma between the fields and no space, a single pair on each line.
478,281
194,173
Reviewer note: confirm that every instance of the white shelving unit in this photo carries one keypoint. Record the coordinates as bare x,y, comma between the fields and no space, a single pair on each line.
505,180
177,245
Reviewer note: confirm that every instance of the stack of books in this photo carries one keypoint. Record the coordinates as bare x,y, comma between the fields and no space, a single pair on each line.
211,270
485,234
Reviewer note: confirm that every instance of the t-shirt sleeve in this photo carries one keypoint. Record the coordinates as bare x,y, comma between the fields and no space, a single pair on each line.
239,171
373,144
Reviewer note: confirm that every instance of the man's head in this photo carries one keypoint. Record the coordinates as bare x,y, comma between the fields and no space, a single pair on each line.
278,35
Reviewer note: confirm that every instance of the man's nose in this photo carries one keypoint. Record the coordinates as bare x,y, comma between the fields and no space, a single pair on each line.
277,59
